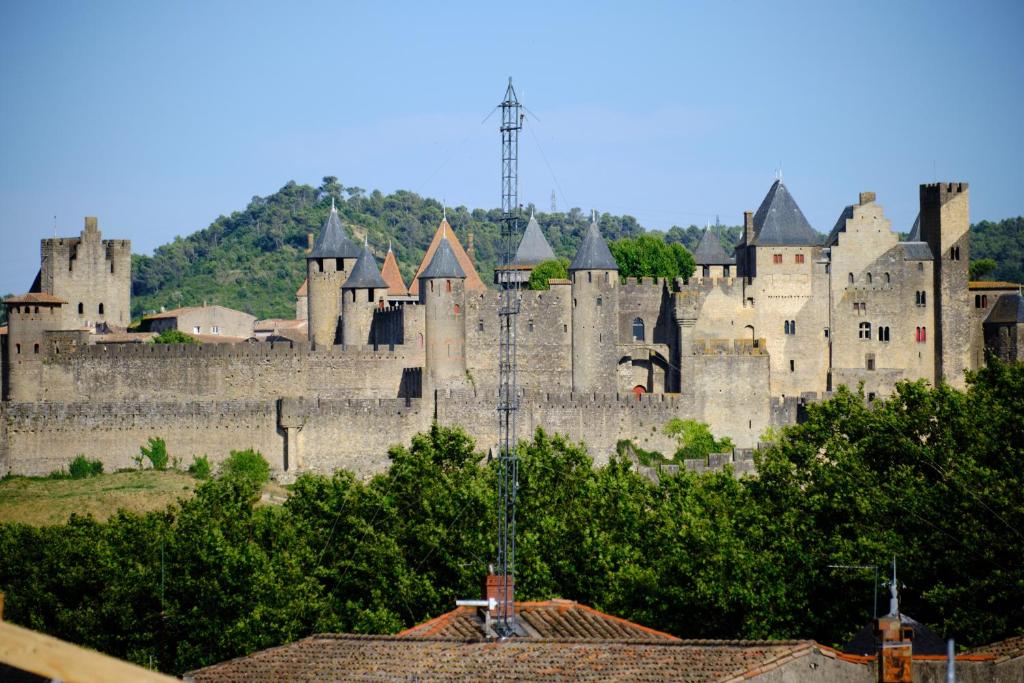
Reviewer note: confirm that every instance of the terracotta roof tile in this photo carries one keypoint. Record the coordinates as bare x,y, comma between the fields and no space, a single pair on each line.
473,281
1003,649
389,658
389,271
34,298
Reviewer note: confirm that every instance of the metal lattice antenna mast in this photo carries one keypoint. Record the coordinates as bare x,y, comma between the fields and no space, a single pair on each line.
508,399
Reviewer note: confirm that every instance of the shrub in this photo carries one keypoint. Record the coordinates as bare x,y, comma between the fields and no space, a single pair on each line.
248,465
156,453
173,337
200,467
545,270
81,467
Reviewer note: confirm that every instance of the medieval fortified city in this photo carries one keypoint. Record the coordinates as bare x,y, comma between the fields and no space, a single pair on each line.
720,425
741,345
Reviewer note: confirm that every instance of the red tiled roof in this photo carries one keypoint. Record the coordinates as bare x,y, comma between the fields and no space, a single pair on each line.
34,298
473,281
391,658
389,271
562,619
986,284
1003,649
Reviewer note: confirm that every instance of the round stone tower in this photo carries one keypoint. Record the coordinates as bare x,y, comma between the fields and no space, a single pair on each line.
443,295
327,267
359,299
595,313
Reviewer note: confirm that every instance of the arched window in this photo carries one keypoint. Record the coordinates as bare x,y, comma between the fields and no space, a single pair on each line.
869,278
888,280
638,330
849,278
81,308
864,331
100,309
447,285
883,334
17,348
785,326
431,285
607,277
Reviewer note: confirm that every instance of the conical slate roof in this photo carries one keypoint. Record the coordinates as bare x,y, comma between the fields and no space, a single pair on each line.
365,274
915,232
444,263
709,251
593,254
780,222
333,242
392,276
444,230
533,248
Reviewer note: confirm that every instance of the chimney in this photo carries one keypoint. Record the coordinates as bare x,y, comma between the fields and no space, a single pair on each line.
895,641
309,242
494,588
91,225
470,249
866,198
748,227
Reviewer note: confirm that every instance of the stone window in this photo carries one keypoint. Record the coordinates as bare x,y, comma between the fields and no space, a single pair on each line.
921,335
792,365
529,326
789,327
883,333
590,276
37,310
826,333
480,325
981,300
888,280
565,328
195,330
17,348
869,361
447,285
864,331
638,330
431,285
100,309
954,253
919,298
81,308
869,278
799,258
849,278
215,329
725,271
599,301
35,348
706,271
607,277
776,258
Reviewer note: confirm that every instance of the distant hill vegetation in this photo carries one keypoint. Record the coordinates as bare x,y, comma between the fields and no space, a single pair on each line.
253,260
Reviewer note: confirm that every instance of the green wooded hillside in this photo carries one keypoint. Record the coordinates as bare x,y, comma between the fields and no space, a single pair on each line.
253,260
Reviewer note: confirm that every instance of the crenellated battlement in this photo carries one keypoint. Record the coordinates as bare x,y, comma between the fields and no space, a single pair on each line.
241,351
729,347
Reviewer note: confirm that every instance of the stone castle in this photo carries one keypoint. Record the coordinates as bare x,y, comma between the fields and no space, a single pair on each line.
741,345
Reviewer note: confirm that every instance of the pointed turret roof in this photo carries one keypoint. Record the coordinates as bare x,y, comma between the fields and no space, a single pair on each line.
444,263
444,230
333,242
392,276
709,251
593,253
915,231
533,248
780,222
365,274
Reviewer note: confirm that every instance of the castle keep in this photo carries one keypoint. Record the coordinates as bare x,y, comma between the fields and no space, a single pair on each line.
741,345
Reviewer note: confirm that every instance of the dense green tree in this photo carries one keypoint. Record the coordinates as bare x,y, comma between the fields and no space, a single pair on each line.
981,268
544,271
173,337
651,256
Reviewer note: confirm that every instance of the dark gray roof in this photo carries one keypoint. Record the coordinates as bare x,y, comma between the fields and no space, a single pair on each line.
779,221
593,254
365,274
1008,309
915,232
926,641
444,263
916,251
709,251
533,248
840,226
333,242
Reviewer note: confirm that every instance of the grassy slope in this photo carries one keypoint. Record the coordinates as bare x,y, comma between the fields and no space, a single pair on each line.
41,502
51,501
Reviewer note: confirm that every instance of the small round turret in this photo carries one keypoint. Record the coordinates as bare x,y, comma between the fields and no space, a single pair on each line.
443,295
360,295
595,305
327,266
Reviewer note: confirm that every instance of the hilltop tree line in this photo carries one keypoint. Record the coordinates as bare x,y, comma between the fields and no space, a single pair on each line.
932,476
253,259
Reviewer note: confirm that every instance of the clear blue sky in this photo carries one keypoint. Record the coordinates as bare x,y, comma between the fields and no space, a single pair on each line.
158,117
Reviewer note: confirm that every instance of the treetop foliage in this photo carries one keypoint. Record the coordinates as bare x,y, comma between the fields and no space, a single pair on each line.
546,270
932,476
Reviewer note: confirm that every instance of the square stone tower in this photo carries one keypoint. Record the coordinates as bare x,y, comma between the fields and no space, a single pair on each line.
945,226
91,274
